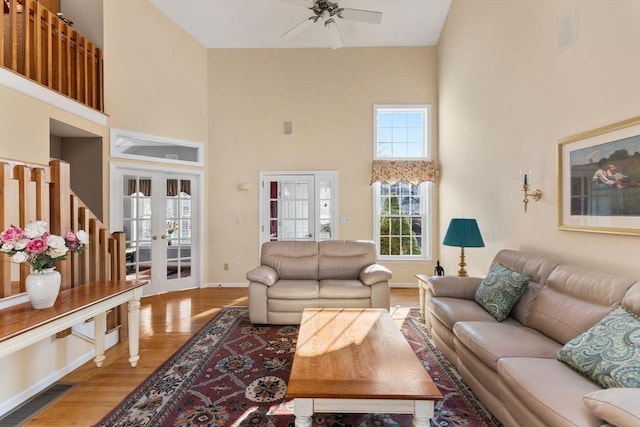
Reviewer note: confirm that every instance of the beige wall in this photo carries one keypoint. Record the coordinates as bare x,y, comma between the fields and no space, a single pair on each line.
85,157
24,126
329,95
155,73
508,93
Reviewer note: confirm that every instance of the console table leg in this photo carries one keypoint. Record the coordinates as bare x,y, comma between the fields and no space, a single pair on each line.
421,297
100,329
303,410
422,413
134,330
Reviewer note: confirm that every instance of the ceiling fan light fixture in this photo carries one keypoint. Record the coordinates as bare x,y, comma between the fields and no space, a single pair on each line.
335,38
327,12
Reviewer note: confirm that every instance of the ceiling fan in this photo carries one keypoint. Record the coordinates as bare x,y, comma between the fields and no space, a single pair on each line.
327,12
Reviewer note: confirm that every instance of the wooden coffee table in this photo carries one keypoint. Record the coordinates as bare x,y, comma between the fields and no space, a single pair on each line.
357,361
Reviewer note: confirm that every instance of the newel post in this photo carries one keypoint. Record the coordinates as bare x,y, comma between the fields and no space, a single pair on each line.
60,211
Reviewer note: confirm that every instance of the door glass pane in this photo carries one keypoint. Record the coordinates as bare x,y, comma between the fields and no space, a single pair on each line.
274,213
291,212
137,224
326,209
295,216
178,228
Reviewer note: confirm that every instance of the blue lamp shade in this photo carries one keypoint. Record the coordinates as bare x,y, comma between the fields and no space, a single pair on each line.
464,233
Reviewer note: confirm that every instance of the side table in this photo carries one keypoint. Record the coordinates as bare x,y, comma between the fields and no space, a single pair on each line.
423,285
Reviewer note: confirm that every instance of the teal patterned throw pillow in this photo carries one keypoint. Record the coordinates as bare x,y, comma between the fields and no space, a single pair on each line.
609,352
501,290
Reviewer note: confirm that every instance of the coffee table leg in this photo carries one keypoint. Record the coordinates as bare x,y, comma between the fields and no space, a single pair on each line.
422,413
303,410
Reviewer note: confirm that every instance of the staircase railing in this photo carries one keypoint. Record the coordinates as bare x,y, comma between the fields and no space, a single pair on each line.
32,192
37,44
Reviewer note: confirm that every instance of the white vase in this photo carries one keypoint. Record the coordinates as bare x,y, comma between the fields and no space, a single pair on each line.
43,288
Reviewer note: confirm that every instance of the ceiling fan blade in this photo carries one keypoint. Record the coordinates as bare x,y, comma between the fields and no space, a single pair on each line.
298,29
335,38
368,16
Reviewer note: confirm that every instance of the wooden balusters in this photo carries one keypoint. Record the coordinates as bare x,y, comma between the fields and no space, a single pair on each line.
34,42
31,192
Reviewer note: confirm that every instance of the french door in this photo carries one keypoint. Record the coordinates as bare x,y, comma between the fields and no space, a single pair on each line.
298,206
158,213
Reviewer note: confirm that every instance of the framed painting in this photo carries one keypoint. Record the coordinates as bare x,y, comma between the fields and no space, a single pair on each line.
599,180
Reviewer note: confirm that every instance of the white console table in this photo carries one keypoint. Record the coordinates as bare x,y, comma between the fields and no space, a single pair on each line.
21,325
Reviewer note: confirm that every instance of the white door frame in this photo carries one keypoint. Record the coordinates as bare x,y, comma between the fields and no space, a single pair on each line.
331,175
115,220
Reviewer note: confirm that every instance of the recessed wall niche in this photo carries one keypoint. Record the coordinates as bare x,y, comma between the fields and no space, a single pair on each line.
83,151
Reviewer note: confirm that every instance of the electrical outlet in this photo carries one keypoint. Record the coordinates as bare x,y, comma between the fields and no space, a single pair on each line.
226,266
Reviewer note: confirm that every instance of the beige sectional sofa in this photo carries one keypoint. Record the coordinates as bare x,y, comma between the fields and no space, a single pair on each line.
512,365
294,275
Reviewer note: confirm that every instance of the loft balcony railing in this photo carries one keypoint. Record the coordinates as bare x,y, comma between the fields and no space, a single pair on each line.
38,45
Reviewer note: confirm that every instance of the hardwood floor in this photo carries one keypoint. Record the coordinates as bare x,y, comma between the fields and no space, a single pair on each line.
167,322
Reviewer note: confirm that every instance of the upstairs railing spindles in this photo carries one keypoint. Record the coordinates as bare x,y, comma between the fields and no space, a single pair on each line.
42,47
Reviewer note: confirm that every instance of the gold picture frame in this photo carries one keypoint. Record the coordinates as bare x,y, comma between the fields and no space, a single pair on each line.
599,180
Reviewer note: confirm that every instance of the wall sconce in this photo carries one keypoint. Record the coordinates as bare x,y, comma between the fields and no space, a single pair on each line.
535,194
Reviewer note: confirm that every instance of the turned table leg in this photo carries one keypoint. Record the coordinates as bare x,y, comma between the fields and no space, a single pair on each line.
303,410
423,412
134,330
100,329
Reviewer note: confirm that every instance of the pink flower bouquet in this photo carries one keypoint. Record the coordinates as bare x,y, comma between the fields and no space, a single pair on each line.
38,247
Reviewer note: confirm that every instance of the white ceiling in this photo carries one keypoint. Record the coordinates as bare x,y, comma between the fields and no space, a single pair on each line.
260,23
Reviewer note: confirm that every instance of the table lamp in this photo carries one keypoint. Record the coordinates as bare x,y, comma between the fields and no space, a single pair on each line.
463,232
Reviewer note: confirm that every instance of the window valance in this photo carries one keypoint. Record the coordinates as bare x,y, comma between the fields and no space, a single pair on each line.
414,171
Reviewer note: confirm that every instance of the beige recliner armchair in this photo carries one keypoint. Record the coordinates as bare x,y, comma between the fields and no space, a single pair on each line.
294,275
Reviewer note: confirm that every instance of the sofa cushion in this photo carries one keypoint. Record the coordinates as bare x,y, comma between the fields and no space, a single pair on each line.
290,305
340,289
452,310
536,267
631,299
609,352
574,299
501,290
291,259
549,389
491,341
617,406
294,289
343,259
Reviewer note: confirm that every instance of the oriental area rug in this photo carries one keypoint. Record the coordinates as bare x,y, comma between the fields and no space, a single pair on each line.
233,373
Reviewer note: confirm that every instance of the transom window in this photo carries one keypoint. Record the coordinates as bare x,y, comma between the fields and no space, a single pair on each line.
400,132
402,208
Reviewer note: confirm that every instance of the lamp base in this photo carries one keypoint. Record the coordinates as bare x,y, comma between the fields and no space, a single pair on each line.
462,272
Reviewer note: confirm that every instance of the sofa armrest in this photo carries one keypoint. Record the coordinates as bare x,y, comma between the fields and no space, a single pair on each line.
453,286
263,274
617,406
374,273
